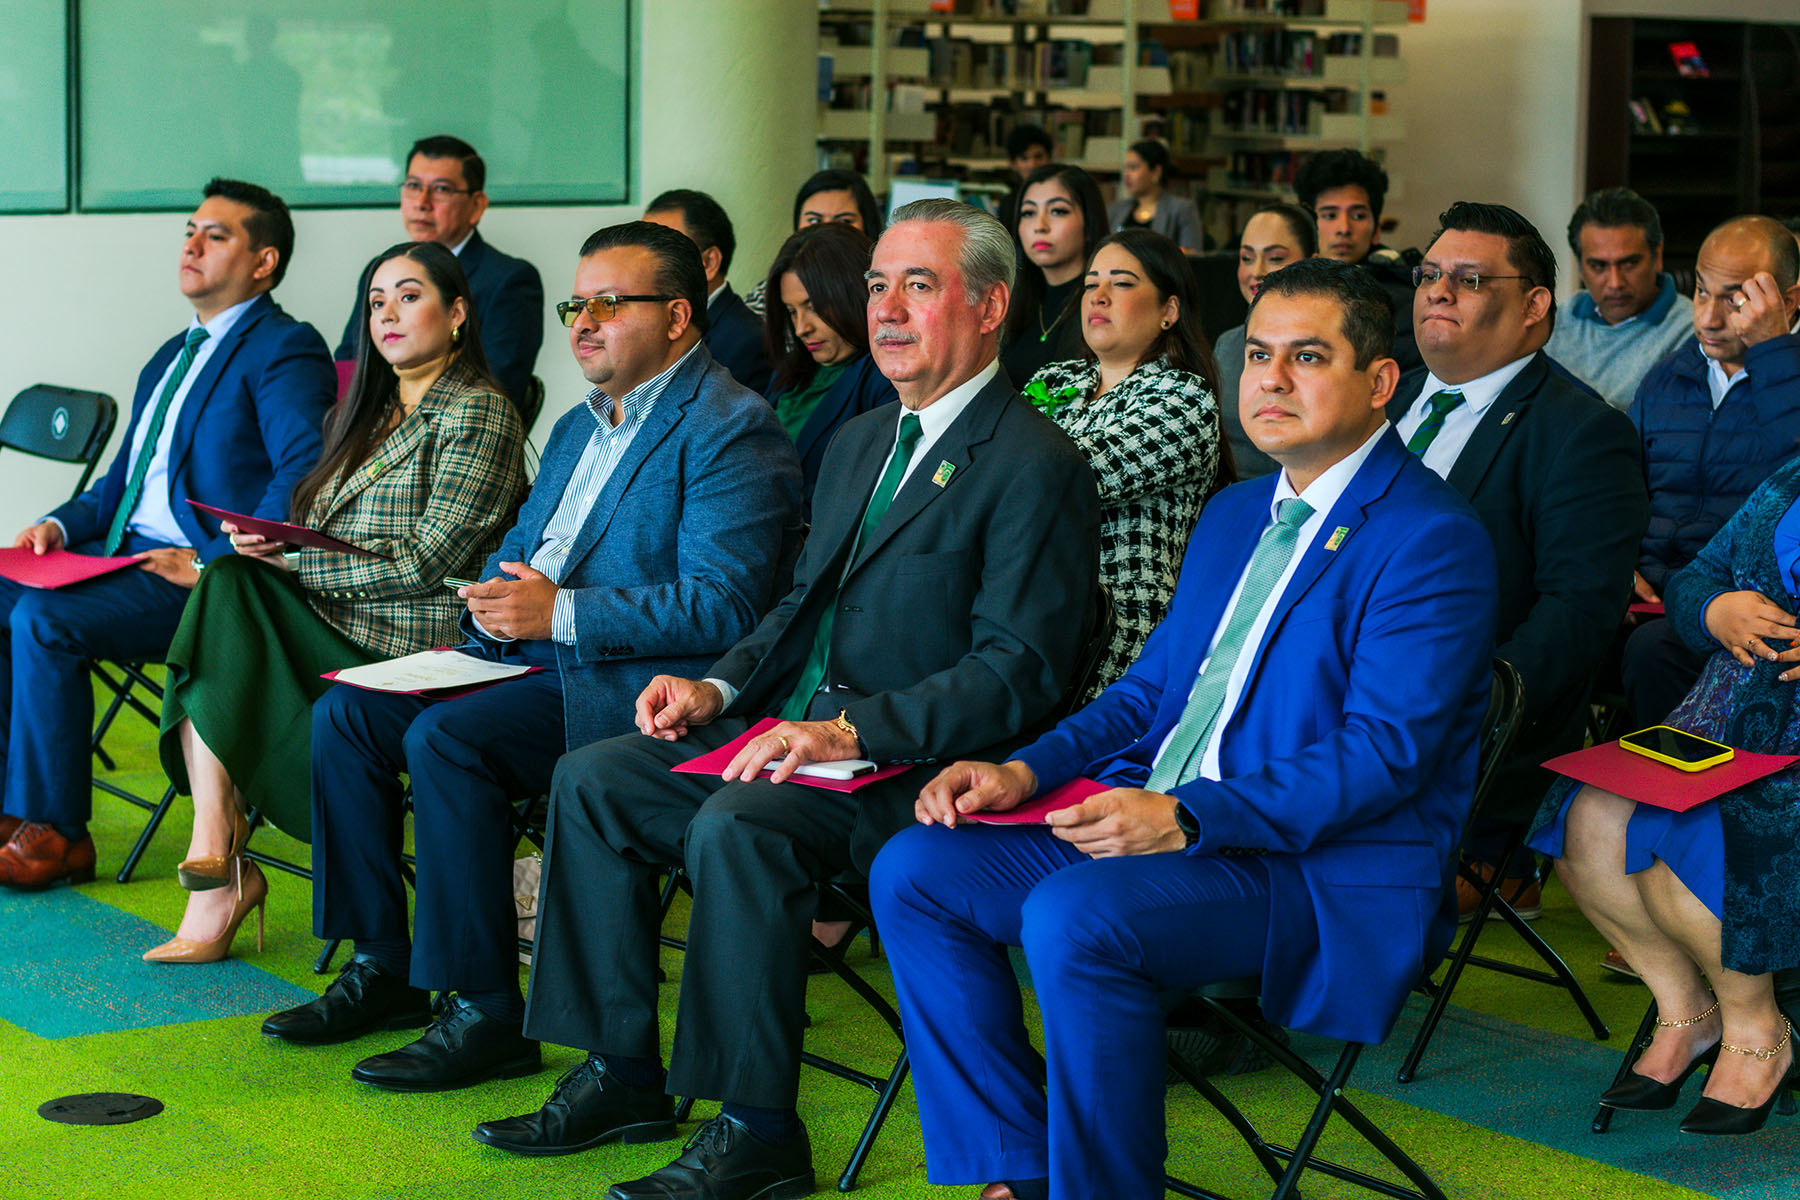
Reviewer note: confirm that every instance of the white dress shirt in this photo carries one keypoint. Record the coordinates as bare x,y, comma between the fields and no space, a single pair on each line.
1322,494
934,419
1718,383
1460,422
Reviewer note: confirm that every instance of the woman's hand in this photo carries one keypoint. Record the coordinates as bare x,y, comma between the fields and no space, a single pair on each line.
1740,621
254,545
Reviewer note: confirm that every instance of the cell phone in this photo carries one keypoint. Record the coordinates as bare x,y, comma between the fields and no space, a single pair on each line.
1679,749
452,583
841,768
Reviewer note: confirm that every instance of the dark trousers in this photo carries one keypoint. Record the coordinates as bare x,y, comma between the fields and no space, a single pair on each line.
1658,669
46,697
468,759
753,851
1103,937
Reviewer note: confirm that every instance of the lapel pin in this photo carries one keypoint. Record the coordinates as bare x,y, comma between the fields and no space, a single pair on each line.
945,470
1507,419
1337,537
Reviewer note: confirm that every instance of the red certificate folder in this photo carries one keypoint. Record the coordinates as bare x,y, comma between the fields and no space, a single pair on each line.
58,568
281,531
714,763
1649,608
1647,781
1037,810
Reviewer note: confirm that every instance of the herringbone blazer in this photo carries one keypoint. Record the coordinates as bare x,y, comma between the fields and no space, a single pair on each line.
436,495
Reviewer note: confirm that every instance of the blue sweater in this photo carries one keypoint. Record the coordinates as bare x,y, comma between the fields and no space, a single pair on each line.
1612,359
1699,464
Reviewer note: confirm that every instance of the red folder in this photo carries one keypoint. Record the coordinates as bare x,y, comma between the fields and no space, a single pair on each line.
1647,781
281,531
1037,810
58,568
1649,608
714,763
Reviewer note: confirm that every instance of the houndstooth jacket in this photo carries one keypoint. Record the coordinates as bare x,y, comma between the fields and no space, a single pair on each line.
1153,443
436,495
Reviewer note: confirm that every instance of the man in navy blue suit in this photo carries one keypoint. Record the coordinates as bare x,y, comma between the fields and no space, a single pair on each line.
441,200
662,524
1288,767
734,334
227,413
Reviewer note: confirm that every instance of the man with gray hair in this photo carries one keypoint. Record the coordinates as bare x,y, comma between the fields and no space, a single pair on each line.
937,613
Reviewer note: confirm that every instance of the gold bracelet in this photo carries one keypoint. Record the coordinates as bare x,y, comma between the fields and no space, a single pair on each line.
843,723
1763,1053
1662,1024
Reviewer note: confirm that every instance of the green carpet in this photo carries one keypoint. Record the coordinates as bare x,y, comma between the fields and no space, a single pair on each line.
1500,1109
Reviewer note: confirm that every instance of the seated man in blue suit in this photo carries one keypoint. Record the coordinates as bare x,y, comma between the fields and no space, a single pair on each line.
1290,763
659,530
734,334
441,201
227,413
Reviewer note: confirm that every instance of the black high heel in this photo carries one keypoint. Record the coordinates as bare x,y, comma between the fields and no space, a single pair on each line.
1714,1117
1640,1093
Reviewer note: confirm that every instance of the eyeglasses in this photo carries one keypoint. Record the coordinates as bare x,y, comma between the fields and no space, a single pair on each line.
438,190
601,308
1465,280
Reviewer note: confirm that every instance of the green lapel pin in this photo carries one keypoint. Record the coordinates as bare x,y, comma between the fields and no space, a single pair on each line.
945,470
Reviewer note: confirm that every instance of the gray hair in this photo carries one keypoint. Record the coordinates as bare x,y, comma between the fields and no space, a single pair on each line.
986,256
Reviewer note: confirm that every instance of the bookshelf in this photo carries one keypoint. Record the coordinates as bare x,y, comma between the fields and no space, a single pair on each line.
1715,134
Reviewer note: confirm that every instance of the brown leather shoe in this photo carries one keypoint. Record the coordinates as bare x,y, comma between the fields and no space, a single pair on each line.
1525,894
8,827
38,856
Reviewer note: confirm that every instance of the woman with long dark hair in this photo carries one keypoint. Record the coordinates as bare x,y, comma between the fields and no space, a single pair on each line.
816,331
830,197
1058,218
1140,402
423,468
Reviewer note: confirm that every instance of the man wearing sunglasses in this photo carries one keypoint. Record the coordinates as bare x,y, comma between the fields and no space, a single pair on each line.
1553,471
662,525
441,201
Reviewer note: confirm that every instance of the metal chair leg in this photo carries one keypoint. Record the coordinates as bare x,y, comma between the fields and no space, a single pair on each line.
1640,1041
149,831
322,964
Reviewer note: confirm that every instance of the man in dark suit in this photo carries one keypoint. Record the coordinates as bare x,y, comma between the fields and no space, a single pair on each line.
1304,713
658,532
1553,471
227,413
734,334
915,632
441,201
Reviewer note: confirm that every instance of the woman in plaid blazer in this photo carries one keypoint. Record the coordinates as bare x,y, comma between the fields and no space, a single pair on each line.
423,467
1141,405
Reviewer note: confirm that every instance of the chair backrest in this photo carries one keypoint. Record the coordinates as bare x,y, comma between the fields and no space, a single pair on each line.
532,404
1506,704
61,424
1104,622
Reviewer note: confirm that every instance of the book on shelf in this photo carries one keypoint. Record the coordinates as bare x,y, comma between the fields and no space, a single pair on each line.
1687,60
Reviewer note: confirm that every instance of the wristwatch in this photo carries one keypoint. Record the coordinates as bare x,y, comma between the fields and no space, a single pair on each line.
843,723
1190,828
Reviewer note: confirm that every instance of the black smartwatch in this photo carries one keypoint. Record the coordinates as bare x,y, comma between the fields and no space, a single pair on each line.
1190,828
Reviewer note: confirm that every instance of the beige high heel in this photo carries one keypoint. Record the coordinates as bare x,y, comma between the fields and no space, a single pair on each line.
252,892
215,870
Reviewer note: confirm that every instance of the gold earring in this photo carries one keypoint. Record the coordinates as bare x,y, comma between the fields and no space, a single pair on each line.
1166,324
456,335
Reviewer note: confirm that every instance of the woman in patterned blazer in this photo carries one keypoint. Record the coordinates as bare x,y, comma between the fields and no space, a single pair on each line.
1141,404
423,467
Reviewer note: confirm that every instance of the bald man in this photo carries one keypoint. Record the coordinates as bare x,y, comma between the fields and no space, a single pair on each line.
1714,419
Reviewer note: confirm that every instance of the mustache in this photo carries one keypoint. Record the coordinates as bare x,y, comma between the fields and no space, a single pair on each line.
895,337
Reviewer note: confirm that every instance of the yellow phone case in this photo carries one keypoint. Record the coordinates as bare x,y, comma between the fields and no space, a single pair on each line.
1724,755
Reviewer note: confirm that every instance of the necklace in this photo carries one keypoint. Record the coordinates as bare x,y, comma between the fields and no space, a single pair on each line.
1044,330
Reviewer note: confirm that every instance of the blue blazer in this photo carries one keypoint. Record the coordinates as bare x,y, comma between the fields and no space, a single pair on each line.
509,311
734,336
861,388
686,546
1350,758
248,431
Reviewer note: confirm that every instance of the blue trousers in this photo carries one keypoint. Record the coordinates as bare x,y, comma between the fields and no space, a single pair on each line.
467,759
46,697
1102,937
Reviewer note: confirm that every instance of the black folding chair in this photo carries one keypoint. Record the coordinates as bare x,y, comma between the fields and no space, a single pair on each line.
1285,1164
1502,721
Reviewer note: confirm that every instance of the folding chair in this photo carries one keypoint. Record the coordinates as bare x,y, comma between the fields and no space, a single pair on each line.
1502,720
1285,1164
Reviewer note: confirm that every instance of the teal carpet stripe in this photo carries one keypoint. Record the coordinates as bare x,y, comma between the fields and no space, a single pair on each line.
1542,1087
74,967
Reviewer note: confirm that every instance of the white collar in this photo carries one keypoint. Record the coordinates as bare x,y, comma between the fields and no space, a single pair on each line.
458,248
222,322
1324,491
938,416
716,293
1478,394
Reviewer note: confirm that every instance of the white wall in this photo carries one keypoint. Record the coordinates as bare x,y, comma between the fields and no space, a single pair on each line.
723,103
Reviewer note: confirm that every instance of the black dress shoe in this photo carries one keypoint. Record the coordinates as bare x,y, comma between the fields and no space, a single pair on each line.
462,1047
723,1161
362,999
588,1108
1640,1093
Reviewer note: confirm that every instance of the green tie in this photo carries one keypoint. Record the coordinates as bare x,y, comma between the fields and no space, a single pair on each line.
1181,758
813,673
134,487
1441,404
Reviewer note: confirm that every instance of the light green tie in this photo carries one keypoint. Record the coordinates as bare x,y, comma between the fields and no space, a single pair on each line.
1181,758
1441,403
813,673
134,487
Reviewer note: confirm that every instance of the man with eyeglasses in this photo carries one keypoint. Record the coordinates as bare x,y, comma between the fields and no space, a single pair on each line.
441,201
1552,470
662,524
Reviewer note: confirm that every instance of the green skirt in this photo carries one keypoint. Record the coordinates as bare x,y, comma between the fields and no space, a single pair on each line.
244,668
